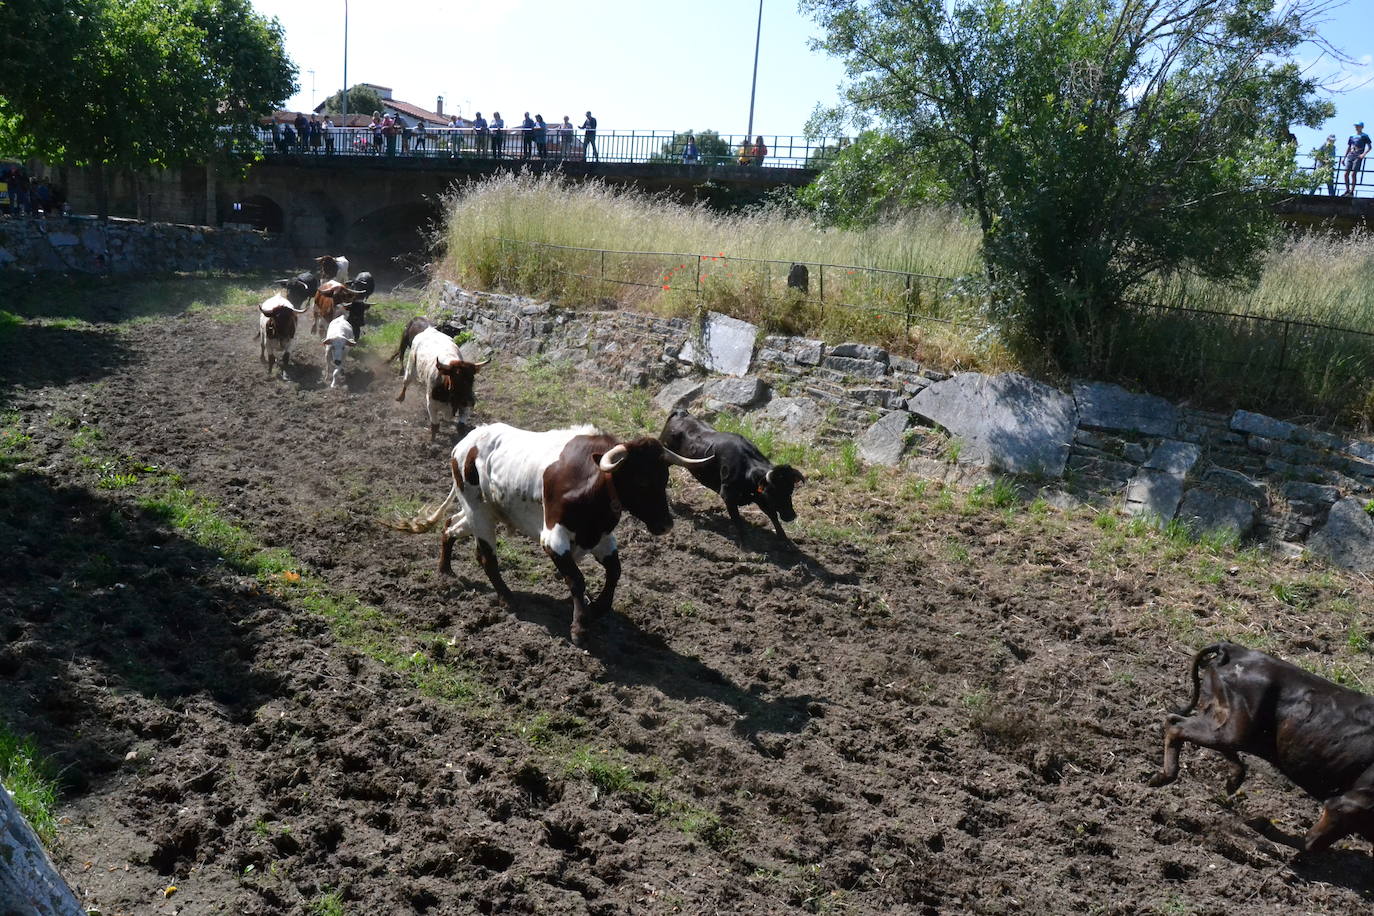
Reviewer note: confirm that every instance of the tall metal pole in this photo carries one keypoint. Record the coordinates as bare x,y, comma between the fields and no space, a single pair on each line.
345,86
758,32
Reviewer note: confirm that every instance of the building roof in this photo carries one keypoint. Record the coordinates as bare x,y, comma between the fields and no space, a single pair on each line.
412,113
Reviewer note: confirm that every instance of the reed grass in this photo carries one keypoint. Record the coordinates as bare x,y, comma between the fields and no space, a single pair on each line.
590,243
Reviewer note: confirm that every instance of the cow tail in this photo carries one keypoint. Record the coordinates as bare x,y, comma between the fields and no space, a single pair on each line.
400,349
426,520
1215,652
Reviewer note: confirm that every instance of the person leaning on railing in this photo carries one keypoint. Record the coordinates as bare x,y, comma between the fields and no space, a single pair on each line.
1356,149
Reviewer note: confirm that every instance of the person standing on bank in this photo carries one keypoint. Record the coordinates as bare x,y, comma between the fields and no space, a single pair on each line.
589,138
1356,149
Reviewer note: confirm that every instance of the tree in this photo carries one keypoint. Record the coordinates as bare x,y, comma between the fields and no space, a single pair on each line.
361,100
141,82
864,181
711,148
1096,142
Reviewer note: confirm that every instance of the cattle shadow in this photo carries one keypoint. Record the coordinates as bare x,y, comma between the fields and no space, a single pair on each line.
634,657
761,542
99,595
1348,868
43,355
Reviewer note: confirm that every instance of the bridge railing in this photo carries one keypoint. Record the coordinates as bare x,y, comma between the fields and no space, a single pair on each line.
611,146
1330,178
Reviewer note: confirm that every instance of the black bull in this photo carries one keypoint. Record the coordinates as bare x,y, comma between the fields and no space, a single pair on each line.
1318,734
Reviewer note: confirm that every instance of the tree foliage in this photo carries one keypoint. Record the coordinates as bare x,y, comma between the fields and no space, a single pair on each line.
1096,142
865,181
711,148
135,83
361,100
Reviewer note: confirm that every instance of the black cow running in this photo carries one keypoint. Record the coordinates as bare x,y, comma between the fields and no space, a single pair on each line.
1318,734
740,473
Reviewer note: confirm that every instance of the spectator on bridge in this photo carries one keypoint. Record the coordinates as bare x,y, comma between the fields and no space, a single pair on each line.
420,136
498,134
316,134
541,137
1356,149
288,138
746,152
565,137
302,130
389,132
479,127
526,136
1324,166
760,150
589,138
328,130
376,127
690,156
403,126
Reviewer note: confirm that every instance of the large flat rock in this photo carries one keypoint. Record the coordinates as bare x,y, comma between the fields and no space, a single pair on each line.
798,419
1007,422
726,345
1154,493
885,441
1206,511
1106,406
1347,538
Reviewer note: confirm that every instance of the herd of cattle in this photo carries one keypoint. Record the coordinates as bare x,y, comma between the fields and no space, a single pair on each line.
567,488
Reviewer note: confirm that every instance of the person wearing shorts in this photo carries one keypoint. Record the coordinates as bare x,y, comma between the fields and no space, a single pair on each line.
1356,149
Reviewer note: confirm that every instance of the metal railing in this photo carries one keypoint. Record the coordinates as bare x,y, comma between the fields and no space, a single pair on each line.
1331,178
908,297
513,143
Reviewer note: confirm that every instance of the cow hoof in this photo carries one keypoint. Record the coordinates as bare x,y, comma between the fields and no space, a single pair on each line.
1160,779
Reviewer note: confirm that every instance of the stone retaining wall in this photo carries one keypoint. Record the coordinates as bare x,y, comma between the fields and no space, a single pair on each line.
76,244
1243,474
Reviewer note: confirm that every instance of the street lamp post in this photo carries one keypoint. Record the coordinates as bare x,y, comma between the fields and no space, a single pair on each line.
345,85
758,33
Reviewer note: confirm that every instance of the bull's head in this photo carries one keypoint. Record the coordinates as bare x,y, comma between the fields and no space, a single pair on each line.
281,321
775,489
640,472
454,383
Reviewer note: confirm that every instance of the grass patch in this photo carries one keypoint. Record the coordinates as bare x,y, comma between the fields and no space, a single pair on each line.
31,781
328,904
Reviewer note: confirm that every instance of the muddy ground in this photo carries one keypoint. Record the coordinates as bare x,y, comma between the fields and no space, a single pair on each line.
929,704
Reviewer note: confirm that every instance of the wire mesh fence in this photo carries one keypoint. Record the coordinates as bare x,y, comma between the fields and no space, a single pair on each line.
1214,356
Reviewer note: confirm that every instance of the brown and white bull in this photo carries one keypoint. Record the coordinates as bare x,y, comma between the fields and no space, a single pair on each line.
436,364
332,267
1317,733
277,323
333,297
565,487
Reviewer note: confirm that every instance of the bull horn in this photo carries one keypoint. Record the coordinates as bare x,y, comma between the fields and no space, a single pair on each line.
263,308
611,459
673,457
482,363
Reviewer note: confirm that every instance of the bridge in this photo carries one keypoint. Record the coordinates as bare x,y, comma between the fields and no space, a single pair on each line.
355,192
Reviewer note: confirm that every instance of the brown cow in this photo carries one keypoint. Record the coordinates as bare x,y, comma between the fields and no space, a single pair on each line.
564,487
1317,733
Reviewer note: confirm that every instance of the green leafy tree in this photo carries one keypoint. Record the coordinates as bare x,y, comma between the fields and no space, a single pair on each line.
866,180
712,149
138,83
1096,142
361,100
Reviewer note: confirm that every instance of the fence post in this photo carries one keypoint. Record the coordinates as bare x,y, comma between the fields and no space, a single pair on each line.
1283,357
698,284
906,305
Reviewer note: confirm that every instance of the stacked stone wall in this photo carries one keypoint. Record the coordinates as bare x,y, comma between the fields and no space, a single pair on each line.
1243,474
76,244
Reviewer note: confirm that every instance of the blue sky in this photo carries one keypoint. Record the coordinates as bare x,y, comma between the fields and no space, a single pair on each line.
644,64
637,64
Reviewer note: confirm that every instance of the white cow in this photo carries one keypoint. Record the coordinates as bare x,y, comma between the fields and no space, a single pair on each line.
277,323
435,362
336,342
333,267
565,488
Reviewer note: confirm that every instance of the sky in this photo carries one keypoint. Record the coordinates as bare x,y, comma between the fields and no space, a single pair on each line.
636,64
648,64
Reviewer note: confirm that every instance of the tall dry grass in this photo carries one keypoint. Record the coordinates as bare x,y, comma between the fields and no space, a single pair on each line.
591,243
